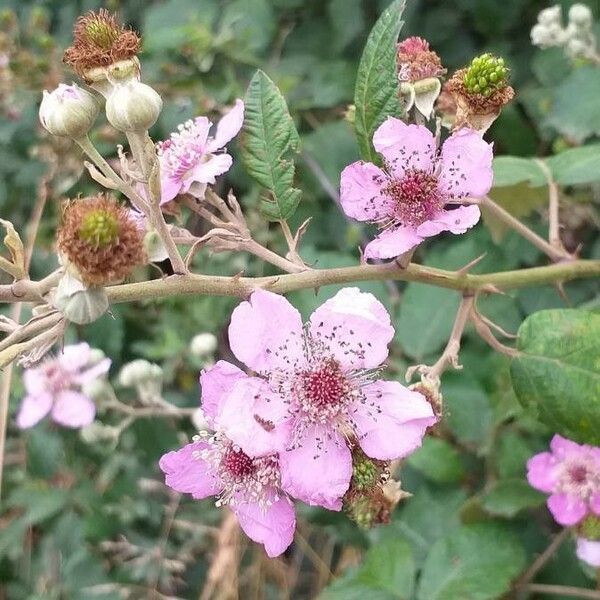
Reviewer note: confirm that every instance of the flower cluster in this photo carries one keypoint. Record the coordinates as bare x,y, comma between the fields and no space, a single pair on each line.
409,198
56,387
570,473
191,156
290,430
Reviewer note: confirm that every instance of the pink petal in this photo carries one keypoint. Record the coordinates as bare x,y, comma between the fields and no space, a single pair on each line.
73,409
466,165
391,243
355,327
541,472
169,188
94,372
404,146
563,447
391,420
589,551
228,127
595,503
319,469
266,333
458,220
567,510
35,381
251,416
360,192
189,474
273,525
33,409
216,384
73,358
207,170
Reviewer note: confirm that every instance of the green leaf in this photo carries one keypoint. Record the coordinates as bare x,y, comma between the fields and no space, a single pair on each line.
510,170
558,372
438,460
475,562
268,140
510,496
576,166
576,110
387,573
377,89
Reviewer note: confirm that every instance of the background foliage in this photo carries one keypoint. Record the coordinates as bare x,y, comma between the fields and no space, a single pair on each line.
473,524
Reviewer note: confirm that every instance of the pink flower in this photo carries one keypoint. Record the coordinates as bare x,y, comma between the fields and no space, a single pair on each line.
249,485
408,198
570,473
317,387
55,387
589,551
192,156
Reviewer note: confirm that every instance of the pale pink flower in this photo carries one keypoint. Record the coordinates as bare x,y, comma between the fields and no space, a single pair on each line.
570,473
589,551
191,156
214,466
55,388
409,199
317,387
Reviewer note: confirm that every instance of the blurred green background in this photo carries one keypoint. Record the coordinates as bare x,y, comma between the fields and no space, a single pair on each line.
68,505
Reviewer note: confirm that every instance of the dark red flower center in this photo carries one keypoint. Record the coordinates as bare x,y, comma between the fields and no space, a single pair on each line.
325,385
417,197
578,474
237,463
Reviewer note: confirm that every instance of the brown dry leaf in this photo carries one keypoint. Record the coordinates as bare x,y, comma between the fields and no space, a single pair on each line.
12,240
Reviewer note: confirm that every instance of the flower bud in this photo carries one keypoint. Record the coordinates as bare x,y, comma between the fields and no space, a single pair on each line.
550,16
577,48
133,106
203,344
139,371
98,432
68,111
97,389
78,303
580,15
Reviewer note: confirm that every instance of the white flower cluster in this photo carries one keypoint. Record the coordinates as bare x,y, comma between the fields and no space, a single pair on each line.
577,37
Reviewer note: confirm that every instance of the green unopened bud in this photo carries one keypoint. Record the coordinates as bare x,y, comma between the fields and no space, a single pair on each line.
133,106
79,304
99,228
68,111
485,74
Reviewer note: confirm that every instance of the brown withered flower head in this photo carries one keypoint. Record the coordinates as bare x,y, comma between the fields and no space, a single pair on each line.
99,238
480,91
99,40
416,61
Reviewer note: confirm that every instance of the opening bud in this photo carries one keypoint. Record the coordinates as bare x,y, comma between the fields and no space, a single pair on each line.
133,106
68,111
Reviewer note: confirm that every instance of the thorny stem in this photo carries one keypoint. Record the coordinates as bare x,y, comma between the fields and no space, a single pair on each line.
291,242
554,253
553,208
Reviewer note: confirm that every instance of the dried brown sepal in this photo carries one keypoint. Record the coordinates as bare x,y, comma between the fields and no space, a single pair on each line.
476,110
104,254
99,40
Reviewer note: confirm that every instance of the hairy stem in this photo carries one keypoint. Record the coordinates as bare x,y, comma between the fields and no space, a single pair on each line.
557,254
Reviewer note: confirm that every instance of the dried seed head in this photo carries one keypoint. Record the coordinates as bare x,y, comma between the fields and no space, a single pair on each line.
416,61
99,40
100,240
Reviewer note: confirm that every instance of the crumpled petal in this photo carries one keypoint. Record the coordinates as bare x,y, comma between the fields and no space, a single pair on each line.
404,146
567,510
216,384
361,194
273,525
355,327
391,420
466,165
251,416
207,170
190,474
169,188
318,470
266,333
33,409
392,242
458,220
73,409
98,370
229,126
